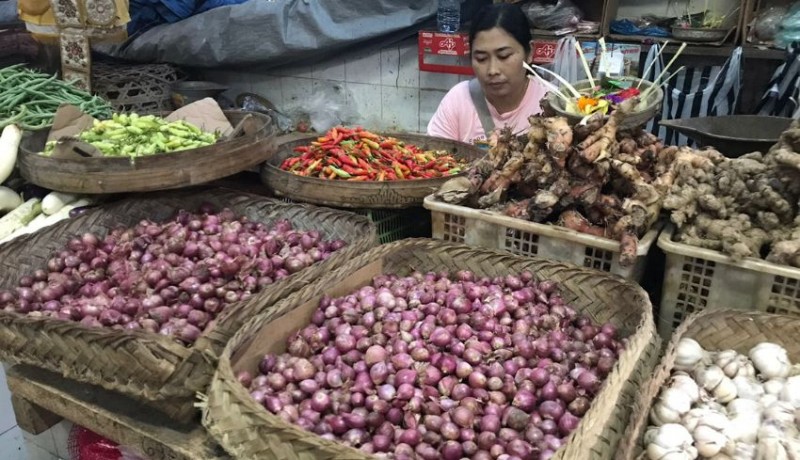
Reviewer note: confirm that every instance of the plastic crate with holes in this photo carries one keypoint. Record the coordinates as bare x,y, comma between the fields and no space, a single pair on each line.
394,224
478,227
697,278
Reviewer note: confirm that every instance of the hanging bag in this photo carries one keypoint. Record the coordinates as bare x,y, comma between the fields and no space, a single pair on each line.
695,92
565,60
780,99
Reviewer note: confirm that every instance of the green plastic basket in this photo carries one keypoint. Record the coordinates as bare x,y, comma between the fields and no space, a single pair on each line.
394,224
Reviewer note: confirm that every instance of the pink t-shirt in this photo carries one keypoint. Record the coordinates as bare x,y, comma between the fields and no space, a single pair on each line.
456,118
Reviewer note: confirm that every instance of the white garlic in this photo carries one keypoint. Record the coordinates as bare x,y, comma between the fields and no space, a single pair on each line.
671,441
726,390
771,360
743,407
744,429
774,386
748,388
671,405
709,377
791,391
709,441
688,354
728,361
656,452
744,451
768,400
781,412
685,383
650,434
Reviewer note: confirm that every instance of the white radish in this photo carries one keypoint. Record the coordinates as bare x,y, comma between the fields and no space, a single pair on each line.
54,201
9,199
9,147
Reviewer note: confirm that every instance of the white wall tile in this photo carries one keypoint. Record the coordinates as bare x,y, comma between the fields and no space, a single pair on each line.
44,440
304,71
365,103
61,432
390,66
429,100
329,104
436,80
400,108
363,67
269,86
409,66
7,419
12,445
296,92
330,69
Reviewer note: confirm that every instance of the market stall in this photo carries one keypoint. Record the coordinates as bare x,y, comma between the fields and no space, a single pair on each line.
190,275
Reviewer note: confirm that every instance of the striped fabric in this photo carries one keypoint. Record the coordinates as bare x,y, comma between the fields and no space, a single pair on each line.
695,92
781,97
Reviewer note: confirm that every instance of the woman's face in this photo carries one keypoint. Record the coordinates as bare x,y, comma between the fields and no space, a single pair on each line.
497,59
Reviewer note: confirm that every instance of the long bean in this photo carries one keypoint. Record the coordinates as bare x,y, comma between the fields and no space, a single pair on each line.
30,99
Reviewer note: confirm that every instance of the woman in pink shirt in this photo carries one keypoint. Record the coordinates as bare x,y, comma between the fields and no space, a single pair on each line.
500,40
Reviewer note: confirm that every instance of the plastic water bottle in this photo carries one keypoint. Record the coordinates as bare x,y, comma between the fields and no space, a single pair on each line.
448,16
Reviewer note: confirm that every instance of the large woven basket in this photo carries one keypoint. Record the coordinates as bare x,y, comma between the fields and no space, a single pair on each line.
148,366
714,329
395,194
248,431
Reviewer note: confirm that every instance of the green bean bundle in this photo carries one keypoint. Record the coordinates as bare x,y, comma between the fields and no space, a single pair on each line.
30,99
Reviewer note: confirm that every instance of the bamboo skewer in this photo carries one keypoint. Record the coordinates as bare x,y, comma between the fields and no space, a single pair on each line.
561,79
584,63
663,72
652,63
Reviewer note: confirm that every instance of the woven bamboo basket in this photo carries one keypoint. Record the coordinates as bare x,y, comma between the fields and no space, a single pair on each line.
714,329
146,366
248,431
395,194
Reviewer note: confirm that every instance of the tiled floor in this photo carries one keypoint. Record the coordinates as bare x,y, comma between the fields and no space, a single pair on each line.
16,444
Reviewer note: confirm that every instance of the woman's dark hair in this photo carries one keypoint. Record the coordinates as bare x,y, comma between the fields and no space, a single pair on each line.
507,16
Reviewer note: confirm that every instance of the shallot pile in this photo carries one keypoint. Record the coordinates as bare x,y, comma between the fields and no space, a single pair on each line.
430,367
172,278
725,405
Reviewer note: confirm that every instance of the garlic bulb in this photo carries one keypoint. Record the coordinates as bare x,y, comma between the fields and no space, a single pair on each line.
743,407
733,364
781,412
748,388
791,391
744,429
768,400
671,441
671,405
771,360
725,392
774,386
688,354
708,378
710,441
650,434
744,451
685,383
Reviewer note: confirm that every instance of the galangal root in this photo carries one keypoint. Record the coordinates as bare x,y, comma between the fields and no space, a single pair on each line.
594,177
744,207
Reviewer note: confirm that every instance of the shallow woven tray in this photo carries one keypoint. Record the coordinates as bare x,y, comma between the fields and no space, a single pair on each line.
144,365
347,194
248,431
157,172
714,329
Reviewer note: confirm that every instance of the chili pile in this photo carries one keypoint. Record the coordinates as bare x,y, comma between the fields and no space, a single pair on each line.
356,154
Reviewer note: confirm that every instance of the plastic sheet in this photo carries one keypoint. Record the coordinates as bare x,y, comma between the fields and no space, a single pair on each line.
8,12
563,14
276,33
790,27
